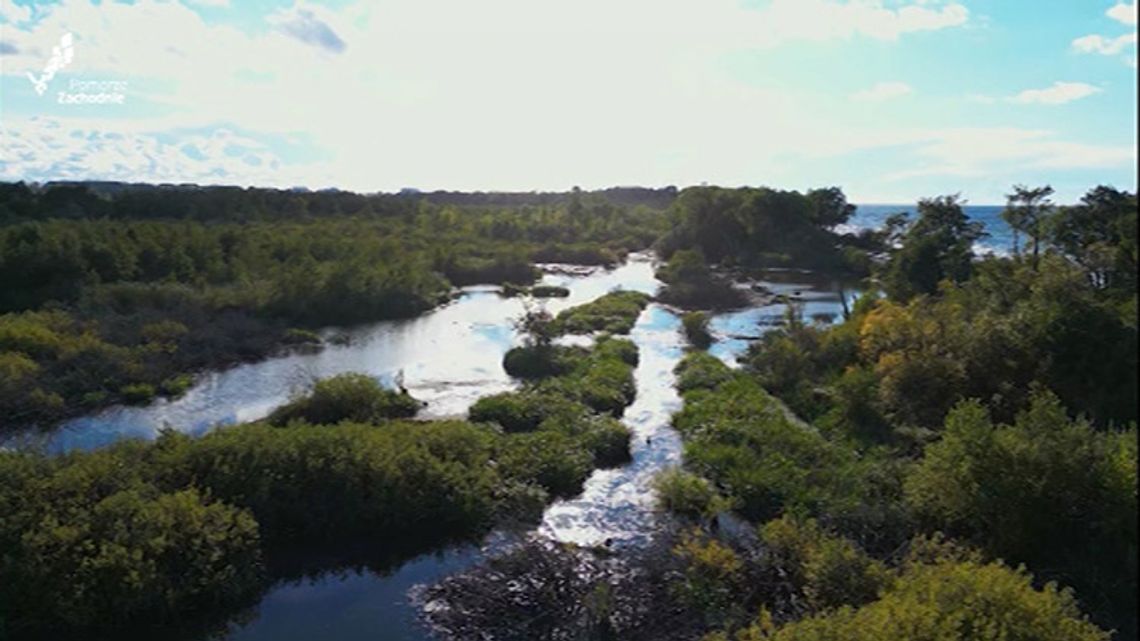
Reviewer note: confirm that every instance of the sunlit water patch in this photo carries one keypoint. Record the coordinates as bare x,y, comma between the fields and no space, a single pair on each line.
617,505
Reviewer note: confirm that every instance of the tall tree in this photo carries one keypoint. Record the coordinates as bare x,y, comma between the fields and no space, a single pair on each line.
936,246
1099,234
1026,211
830,206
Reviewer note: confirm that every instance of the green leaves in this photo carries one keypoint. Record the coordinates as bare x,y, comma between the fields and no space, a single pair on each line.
614,313
346,397
1046,490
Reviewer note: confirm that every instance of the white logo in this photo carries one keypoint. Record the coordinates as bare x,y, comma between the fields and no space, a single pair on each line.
60,57
84,92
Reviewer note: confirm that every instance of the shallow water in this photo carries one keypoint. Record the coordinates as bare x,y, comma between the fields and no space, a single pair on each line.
617,504
451,357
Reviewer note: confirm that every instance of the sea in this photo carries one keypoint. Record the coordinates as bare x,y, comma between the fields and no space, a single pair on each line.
998,239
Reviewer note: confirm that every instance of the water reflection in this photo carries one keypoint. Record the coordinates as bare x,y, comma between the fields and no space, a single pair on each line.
355,604
451,357
615,504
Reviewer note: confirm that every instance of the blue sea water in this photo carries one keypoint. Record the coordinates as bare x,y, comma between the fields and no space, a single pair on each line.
998,241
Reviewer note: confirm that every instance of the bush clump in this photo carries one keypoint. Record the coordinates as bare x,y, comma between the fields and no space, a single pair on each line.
511,290
742,440
501,268
581,254
296,336
138,393
176,386
686,494
698,370
1012,489
93,542
828,570
549,291
601,377
614,313
690,284
607,439
540,361
346,397
951,601
521,411
696,326
563,423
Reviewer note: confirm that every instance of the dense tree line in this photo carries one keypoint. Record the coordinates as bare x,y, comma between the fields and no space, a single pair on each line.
766,228
987,329
990,400
117,293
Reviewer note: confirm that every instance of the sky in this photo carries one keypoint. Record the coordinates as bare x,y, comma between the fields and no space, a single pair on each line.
890,100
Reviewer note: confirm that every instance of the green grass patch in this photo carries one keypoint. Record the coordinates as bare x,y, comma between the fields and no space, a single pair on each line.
615,313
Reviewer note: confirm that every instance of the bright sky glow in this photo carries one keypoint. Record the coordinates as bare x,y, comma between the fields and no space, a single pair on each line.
892,100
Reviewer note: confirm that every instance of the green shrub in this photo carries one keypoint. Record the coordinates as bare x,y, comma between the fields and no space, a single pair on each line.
951,601
1047,491
830,571
521,411
696,326
712,577
549,291
90,543
177,385
575,255
539,361
301,337
320,483
698,370
607,347
138,393
511,290
600,378
346,397
557,412
555,461
607,439
615,313
686,494
739,438
503,268
690,284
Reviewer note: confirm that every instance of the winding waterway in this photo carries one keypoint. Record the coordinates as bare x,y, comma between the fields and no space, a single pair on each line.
449,358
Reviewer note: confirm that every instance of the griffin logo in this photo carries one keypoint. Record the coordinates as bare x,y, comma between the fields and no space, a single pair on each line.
60,57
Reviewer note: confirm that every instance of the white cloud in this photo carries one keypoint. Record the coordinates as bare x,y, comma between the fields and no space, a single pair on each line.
986,151
883,91
462,94
502,94
819,20
14,13
1103,45
1123,13
84,150
1057,94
